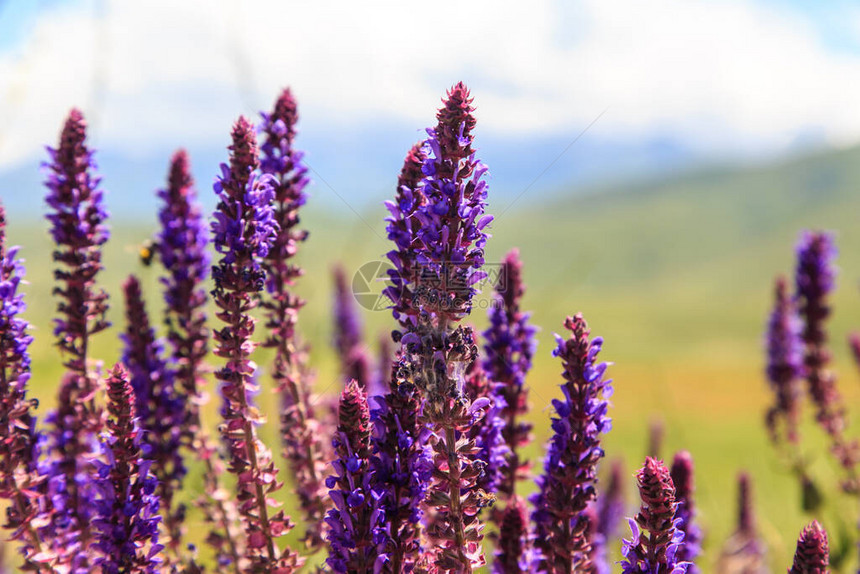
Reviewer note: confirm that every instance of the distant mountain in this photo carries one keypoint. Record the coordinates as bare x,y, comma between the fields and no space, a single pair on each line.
360,167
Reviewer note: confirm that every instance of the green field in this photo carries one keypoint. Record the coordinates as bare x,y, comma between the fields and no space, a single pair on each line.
675,274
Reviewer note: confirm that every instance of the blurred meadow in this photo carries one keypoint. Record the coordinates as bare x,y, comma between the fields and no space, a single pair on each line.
675,273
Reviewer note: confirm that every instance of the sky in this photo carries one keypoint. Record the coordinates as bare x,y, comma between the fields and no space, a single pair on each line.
567,92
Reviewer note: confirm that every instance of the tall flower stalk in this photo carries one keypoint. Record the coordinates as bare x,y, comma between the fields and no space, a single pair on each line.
401,469
514,551
160,409
20,476
510,346
656,541
568,483
351,351
682,474
432,290
127,519
78,229
356,519
304,448
244,230
815,279
488,431
784,367
181,247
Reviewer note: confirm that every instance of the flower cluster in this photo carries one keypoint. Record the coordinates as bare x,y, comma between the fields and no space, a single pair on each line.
402,467
127,518
515,552
354,362
160,409
657,552
682,478
815,279
181,247
813,553
488,431
244,229
509,348
356,520
77,219
784,366
567,485
304,447
20,478
403,230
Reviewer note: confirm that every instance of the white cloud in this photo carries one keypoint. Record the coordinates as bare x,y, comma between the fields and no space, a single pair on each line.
718,75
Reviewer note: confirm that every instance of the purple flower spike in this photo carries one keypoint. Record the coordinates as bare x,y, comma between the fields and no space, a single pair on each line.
682,478
355,523
487,432
611,502
160,409
401,469
304,448
20,478
567,485
127,519
784,366
181,246
403,230
510,346
354,362
514,553
78,228
656,540
815,280
444,224
244,229
813,554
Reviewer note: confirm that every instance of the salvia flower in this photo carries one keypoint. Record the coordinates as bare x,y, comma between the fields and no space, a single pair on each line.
813,554
454,495
657,551
127,503
510,346
487,432
784,365
244,229
403,228
611,502
608,511
348,338
449,252
814,281
304,448
402,467
20,476
160,409
514,551
181,247
77,218
744,552
567,485
682,478
356,520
